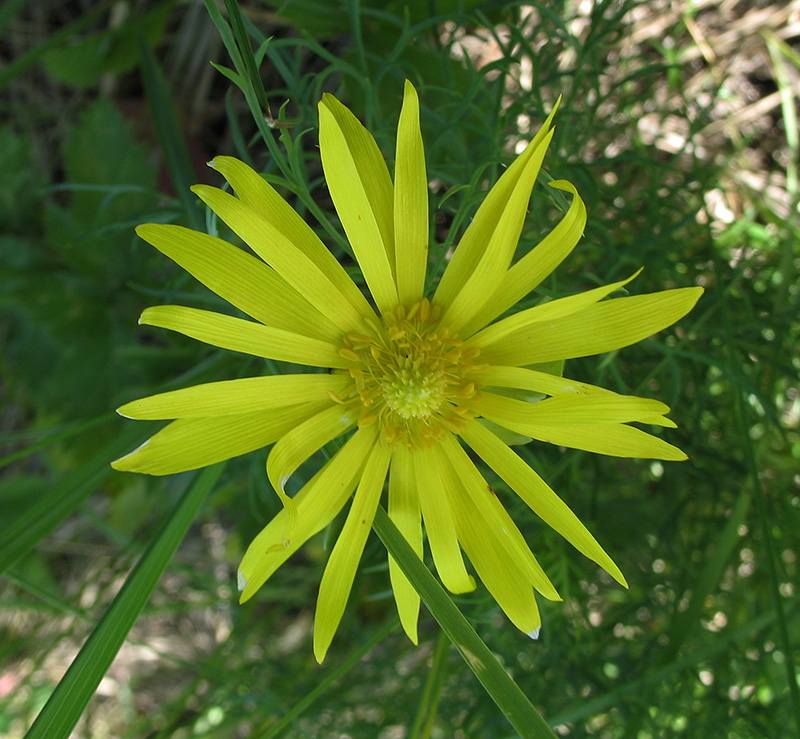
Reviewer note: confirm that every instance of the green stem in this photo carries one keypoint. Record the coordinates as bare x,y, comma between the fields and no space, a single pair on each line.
426,711
498,684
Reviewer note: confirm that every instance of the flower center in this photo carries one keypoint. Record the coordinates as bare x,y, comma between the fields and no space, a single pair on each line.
410,376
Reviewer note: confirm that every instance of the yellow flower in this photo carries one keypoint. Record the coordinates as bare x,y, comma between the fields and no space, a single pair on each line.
412,385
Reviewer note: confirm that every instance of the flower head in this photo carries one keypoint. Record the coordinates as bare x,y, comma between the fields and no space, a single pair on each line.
413,382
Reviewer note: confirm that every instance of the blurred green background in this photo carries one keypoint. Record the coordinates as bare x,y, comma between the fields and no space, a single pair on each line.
678,125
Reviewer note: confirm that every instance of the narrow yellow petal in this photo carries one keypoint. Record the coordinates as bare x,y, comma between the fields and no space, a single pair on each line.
538,495
362,194
404,510
506,220
515,598
410,202
316,504
230,397
241,279
475,500
498,571
430,470
550,311
666,423
258,195
534,381
472,246
337,579
282,255
614,440
295,447
239,335
538,263
191,443
565,410
599,328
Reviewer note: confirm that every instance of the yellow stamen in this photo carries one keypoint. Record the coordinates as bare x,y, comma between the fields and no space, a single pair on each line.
410,376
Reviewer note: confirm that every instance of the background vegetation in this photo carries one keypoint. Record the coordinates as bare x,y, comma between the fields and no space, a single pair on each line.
678,125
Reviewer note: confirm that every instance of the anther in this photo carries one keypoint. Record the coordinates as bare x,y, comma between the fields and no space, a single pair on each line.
334,397
348,354
424,310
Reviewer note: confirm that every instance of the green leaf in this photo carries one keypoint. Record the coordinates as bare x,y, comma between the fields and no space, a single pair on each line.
22,185
498,684
53,41
106,170
70,697
113,50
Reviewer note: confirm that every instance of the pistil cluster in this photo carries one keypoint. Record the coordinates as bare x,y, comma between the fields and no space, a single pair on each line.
410,376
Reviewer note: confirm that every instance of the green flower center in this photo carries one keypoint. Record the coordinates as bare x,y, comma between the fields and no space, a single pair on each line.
412,390
410,376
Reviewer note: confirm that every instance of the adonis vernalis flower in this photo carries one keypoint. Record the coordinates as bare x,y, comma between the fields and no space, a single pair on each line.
412,383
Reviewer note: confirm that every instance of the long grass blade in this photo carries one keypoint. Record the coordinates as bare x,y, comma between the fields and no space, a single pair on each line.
168,132
498,684
63,709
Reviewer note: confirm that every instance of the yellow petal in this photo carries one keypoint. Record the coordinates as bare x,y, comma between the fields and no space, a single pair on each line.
429,470
283,256
534,381
303,440
472,247
239,335
538,263
666,423
404,510
475,500
242,280
410,202
362,194
599,328
515,598
316,504
190,443
337,580
498,571
565,410
507,219
552,310
538,495
230,397
258,195
613,440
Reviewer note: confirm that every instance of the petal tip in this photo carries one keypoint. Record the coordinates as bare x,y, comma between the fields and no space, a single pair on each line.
535,633
120,465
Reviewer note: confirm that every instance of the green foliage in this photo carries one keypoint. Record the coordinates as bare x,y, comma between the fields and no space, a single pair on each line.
110,51
67,270
703,644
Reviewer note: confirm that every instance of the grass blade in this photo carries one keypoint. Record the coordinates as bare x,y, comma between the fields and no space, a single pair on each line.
168,132
63,709
498,684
